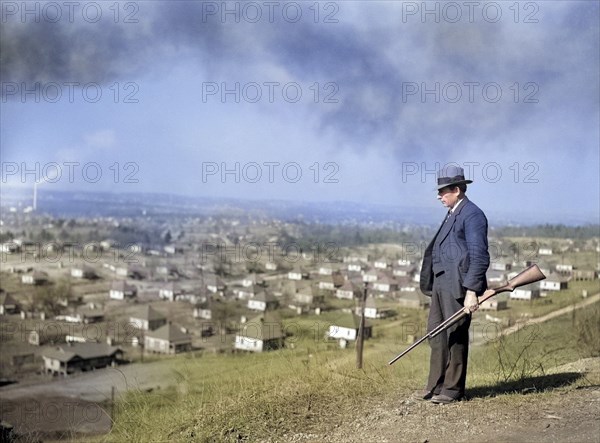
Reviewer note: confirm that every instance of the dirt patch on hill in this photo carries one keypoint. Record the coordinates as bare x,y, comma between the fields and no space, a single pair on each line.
54,417
563,413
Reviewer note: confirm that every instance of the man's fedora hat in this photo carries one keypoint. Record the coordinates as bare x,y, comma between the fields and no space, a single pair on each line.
451,176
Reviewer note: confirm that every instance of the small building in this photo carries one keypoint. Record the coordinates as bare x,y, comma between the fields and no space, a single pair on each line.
202,311
44,334
501,265
34,278
263,301
326,282
121,290
554,283
297,273
167,269
355,267
67,359
170,291
247,292
527,292
584,274
381,263
270,266
86,316
9,247
373,310
168,339
213,283
325,269
385,284
262,333
371,275
348,291
403,271
564,268
252,280
8,304
492,304
545,251
147,318
309,295
346,328
86,272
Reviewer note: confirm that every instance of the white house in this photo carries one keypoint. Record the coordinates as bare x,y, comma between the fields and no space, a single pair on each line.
86,315
297,273
545,251
501,265
213,283
170,291
120,290
370,276
34,278
403,271
554,283
251,280
527,292
373,311
355,267
261,333
325,270
385,284
381,263
8,305
262,301
168,339
167,269
83,272
492,304
564,268
348,291
326,282
9,247
346,328
147,318
202,312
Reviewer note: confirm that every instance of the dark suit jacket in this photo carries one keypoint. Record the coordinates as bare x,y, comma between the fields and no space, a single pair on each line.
464,252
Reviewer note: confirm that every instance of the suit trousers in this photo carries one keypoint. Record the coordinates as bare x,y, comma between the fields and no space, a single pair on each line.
450,348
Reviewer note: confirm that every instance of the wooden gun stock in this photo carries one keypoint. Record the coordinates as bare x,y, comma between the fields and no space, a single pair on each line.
525,277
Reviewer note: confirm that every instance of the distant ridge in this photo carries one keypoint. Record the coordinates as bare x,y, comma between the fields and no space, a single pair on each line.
112,204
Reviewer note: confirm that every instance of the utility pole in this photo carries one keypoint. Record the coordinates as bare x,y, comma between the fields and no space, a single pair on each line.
361,330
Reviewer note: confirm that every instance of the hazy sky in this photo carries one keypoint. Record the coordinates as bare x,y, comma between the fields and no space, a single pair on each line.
356,101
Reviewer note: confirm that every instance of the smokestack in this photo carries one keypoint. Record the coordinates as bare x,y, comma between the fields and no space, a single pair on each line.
35,196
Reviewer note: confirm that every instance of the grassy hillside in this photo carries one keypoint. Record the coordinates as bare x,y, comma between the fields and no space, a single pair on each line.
315,387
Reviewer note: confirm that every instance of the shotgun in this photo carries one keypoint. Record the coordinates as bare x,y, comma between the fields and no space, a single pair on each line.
525,277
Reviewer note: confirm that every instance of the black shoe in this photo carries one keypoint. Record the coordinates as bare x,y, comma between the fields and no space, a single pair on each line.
422,394
442,399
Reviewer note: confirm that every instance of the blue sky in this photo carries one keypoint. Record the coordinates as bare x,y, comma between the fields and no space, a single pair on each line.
389,93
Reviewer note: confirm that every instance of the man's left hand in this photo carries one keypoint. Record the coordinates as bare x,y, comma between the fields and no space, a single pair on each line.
471,303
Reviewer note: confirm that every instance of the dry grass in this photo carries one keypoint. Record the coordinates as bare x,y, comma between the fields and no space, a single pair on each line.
313,388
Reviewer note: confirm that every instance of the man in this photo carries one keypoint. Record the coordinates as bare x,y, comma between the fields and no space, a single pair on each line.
453,275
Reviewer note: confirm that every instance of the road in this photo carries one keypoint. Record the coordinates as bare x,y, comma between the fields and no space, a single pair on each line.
96,386
491,334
